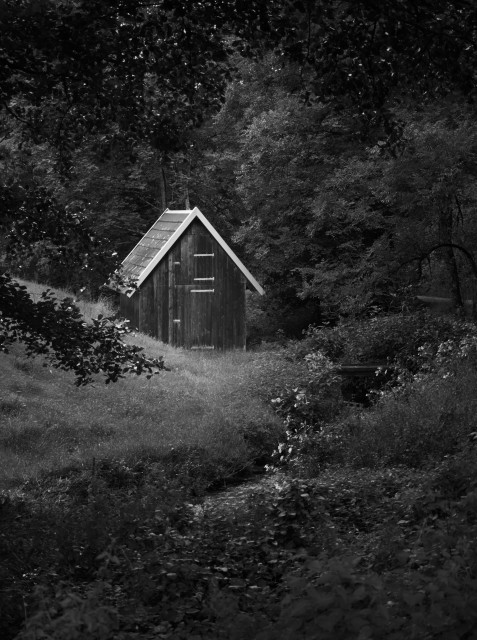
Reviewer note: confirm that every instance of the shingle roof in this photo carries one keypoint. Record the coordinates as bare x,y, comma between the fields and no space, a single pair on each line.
163,234
152,242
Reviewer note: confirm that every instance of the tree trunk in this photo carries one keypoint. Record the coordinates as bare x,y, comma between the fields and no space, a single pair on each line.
160,184
188,170
162,188
445,232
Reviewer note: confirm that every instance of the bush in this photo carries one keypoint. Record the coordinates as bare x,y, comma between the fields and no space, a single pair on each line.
305,410
353,554
420,415
451,491
402,343
316,398
420,578
65,613
397,339
307,450
331,601
427,418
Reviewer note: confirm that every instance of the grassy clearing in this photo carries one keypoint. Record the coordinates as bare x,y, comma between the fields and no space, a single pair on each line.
207,402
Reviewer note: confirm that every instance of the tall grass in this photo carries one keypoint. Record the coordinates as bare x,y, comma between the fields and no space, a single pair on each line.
207,402
89,308
427,421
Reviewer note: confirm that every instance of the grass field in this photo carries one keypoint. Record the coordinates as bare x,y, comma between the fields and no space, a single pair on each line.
206,402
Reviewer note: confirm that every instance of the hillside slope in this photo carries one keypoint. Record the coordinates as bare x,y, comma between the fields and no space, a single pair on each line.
205,402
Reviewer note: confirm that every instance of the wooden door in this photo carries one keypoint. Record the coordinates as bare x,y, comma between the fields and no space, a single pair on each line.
193,291
199,309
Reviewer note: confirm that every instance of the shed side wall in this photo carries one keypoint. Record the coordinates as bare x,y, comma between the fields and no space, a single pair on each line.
129,309
175,304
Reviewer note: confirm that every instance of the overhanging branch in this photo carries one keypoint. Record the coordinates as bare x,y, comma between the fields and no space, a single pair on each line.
424,256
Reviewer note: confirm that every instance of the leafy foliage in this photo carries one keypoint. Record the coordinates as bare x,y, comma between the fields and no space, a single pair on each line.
56,331
151,70
410,206
344,163
323,159
416,408
366,54
381,554
317,398
57,244
403,339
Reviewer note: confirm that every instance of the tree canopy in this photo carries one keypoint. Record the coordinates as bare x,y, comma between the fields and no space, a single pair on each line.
331,142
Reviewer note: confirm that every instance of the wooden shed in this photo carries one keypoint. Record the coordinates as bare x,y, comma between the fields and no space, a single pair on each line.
190,284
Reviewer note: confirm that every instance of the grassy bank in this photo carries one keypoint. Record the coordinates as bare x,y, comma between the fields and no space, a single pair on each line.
215,404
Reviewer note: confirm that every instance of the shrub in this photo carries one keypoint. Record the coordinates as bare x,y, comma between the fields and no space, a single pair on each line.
424,420
307,450
451,490
305,410
316,399
419,418
403,344
397,338
66,613
331,601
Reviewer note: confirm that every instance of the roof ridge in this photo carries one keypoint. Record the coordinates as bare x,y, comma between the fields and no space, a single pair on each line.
143,259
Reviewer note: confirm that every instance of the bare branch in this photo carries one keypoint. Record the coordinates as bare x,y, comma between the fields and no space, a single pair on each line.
426,255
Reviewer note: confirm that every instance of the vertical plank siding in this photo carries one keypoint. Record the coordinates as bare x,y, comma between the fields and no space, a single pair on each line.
194,298
129,309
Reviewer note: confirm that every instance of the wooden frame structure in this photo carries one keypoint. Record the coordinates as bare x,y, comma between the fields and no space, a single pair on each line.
190,284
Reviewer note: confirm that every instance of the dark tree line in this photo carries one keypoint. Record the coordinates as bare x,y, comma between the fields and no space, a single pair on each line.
332,142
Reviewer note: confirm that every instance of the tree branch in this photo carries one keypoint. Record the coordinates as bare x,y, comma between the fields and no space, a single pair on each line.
426,255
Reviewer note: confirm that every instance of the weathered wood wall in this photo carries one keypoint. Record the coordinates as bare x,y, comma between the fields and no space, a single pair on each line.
195,297
129,308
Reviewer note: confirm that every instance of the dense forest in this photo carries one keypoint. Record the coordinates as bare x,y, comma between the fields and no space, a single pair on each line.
333,144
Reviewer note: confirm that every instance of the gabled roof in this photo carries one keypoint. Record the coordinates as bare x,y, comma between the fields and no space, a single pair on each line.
163,234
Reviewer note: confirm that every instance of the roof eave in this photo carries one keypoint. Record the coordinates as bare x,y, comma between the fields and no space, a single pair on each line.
229,252
192,215
169,244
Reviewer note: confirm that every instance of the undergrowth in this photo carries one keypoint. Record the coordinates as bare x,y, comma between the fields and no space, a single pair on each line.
365,529
129,553
423,411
